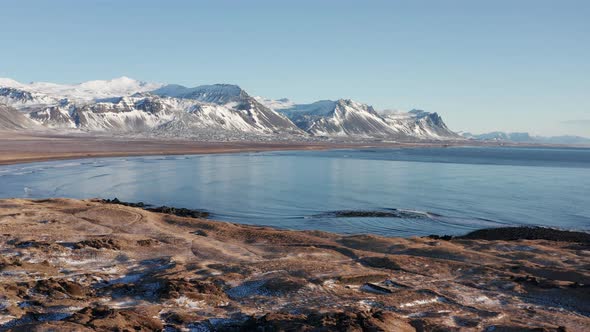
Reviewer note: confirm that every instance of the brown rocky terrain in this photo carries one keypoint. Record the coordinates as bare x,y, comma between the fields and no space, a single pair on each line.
81,265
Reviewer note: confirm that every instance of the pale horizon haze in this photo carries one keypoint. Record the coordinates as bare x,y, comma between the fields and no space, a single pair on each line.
515,66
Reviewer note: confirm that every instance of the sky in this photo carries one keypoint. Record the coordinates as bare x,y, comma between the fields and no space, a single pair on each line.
517,65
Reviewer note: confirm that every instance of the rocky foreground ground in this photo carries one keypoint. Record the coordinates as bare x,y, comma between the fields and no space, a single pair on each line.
71,265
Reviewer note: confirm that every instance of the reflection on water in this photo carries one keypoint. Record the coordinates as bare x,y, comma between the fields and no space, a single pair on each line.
461,189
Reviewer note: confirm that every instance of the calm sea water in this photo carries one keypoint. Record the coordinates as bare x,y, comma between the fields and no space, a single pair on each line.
453,190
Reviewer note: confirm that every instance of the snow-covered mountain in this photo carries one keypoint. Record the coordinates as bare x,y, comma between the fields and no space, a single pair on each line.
347,118
341,118
43,93
124,104
239,110
418,123
500,136
127,105
130,113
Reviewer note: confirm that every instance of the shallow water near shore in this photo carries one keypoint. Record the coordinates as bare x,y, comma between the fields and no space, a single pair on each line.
393,192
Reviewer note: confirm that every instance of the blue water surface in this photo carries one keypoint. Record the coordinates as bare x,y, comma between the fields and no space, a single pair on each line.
453,190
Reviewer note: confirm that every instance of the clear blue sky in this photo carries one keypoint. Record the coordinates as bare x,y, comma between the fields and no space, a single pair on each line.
512,65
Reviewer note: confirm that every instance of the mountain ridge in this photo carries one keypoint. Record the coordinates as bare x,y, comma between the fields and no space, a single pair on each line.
524,137
127,105
345,117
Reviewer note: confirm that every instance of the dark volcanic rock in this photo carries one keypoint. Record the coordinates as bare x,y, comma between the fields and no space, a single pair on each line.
441,237
117,201
527,233
147,242
173,288
60,288
389,213
99,244
181,212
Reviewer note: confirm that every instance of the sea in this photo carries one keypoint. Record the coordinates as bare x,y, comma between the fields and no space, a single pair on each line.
390,192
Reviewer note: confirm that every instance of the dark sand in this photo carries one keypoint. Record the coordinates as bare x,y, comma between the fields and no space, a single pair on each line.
75,265
17,148
33,147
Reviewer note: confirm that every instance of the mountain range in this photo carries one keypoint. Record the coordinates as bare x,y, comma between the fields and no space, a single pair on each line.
125,105
500,136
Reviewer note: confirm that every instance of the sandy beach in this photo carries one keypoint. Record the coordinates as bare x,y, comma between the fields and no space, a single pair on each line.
24,148
34,147
76,265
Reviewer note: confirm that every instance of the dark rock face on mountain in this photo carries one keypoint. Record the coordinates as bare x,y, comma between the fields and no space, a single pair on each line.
53,117
16,94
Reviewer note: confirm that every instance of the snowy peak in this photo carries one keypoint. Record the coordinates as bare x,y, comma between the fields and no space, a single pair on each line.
419,123
122,86
48,93
215,93
170,90
319,108
348,105
348,118
10,83
256,116
340,118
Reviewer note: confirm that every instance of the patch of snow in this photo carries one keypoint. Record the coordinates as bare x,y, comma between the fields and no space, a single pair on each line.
186,302
421,302
275,104
86,91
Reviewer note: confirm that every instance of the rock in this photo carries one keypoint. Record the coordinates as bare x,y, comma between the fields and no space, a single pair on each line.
147,242
61,288
174,288
103,318
374,288
99,243
380,262
388,213
362,278
527,233
181,212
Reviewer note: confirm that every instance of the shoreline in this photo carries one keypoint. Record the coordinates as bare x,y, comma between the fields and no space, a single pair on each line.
22,148
26,148
94,265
